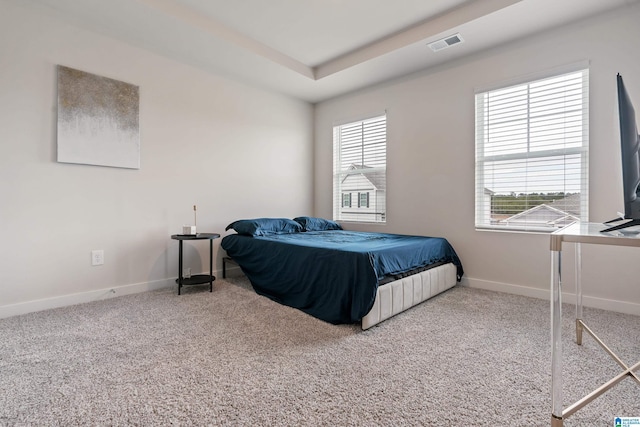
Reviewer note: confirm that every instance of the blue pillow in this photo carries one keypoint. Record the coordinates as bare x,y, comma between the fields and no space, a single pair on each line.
309,223
264,226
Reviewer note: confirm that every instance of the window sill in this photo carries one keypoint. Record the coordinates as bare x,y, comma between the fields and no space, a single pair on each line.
531,230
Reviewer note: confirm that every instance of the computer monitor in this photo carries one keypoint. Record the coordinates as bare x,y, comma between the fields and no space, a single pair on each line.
630,152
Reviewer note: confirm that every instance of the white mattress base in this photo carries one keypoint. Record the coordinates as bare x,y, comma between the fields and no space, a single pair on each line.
397,296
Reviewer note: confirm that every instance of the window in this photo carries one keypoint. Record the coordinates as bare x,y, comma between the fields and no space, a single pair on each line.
363,200
346,200
359,166
532,154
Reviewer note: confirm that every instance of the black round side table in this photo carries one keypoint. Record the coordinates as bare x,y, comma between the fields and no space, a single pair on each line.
197,279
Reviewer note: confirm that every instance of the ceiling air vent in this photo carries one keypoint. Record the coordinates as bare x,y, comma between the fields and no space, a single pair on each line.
446,42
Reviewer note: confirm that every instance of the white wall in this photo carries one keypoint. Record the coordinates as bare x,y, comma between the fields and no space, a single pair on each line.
205,140
430,119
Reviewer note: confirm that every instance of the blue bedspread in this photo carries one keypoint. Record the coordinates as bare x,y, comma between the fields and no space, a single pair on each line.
332,275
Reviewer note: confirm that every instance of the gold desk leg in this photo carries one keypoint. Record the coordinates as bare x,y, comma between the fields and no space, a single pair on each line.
578,267
579,329
556,422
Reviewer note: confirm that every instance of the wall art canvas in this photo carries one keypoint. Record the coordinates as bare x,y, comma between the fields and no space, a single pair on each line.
98,120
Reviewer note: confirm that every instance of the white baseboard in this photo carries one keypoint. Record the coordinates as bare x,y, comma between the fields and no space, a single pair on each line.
567,297
82,297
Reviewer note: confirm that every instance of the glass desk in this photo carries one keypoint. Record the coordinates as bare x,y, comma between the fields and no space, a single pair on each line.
579,233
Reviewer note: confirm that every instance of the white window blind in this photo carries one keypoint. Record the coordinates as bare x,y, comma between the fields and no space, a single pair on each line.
532,154
359,166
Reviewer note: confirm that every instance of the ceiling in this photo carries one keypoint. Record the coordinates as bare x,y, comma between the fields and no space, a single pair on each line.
318,49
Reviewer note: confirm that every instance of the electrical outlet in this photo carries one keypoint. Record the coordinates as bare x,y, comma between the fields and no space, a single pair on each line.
97,257
186,273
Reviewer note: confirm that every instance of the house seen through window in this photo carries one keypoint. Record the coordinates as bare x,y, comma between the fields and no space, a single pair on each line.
359,172
532,154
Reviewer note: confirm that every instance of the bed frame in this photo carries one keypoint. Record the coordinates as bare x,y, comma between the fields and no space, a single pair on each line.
400,295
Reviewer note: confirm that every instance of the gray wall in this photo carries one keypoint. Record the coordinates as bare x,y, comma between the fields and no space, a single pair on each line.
205,140
431,148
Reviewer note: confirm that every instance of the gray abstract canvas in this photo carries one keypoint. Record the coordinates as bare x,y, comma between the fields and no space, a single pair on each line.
98,120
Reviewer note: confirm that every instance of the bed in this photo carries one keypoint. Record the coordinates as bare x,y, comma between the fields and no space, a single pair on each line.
341,276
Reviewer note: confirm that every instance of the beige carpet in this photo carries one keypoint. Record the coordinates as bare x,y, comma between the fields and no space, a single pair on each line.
465,358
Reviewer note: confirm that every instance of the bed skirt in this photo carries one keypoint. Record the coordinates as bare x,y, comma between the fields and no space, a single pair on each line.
400,295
